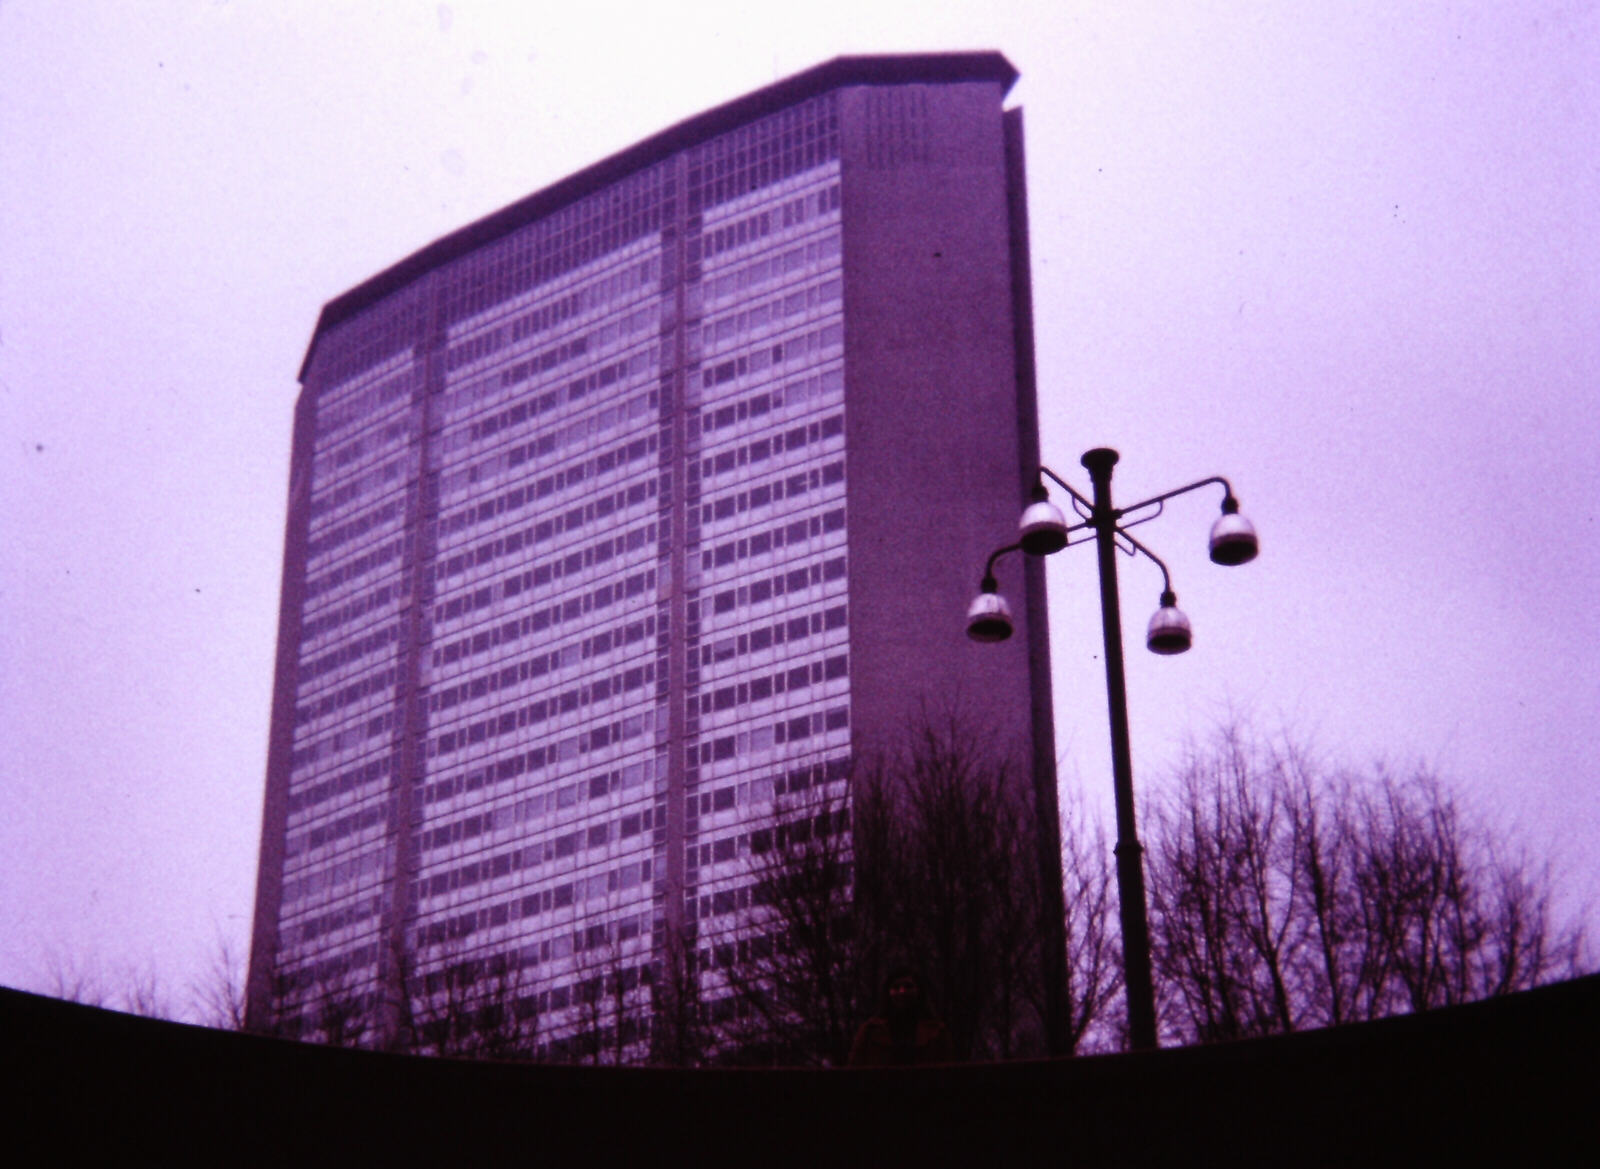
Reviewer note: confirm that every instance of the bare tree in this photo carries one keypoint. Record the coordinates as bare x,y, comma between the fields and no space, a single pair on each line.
1284,896
218,995
341,1012
133,989
327,1001
930,862
953,884
1094,957
144,993
609,993
1225,888
469,1006
507,1019
76,981
796,969
679,1032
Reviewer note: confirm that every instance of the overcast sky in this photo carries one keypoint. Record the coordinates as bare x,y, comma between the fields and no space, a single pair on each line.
1346,254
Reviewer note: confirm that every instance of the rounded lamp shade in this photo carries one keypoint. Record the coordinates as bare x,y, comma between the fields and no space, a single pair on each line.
989,618
1169,631
1043,529
1233,540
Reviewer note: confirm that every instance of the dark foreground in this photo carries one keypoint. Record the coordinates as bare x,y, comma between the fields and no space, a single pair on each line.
1515,1078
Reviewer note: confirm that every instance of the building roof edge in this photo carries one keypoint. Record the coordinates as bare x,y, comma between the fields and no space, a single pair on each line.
896,69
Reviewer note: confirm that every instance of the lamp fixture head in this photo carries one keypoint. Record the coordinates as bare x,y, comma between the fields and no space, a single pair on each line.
989,617
1233,538
1043,526
1169,631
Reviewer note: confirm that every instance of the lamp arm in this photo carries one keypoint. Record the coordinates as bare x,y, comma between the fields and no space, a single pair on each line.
1166,577
1067,487
1165,495
989,583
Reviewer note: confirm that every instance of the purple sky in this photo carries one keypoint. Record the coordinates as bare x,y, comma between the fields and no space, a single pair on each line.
1347,255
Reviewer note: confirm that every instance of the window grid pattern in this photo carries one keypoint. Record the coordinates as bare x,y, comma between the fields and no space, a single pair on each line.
767,687
527,485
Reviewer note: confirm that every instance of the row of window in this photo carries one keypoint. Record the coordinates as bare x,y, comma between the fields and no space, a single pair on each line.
323,877
790,831
483,640
543,575
553,949
341,740
748,229
598,509
464,400
759,225
540,575
581,432
763,790
330,971
400,430
540,664
373,814
794,393
750,276
799,349
618,779
573,608
533,809
651,770
796,830
354,528
616,880
576,430
564,565
530,408
791,533
829,383
313,928
761,153
565,751
764,448
394,471
351,570
519,497
595,690
763,637
759,689
582,300
335,411
350,651
544,709
764,738
380,682
596,294
727,506
337,785
353,609
800,302
483,344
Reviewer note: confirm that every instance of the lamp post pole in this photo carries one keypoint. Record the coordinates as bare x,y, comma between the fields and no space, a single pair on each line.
1044,531
1140,988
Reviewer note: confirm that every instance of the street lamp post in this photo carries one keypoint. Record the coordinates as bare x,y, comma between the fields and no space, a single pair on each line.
1044,530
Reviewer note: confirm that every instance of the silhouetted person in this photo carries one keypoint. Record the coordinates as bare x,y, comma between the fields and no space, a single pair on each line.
905,1031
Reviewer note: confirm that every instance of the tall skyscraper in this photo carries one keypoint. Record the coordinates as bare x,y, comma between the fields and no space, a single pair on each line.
623,515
